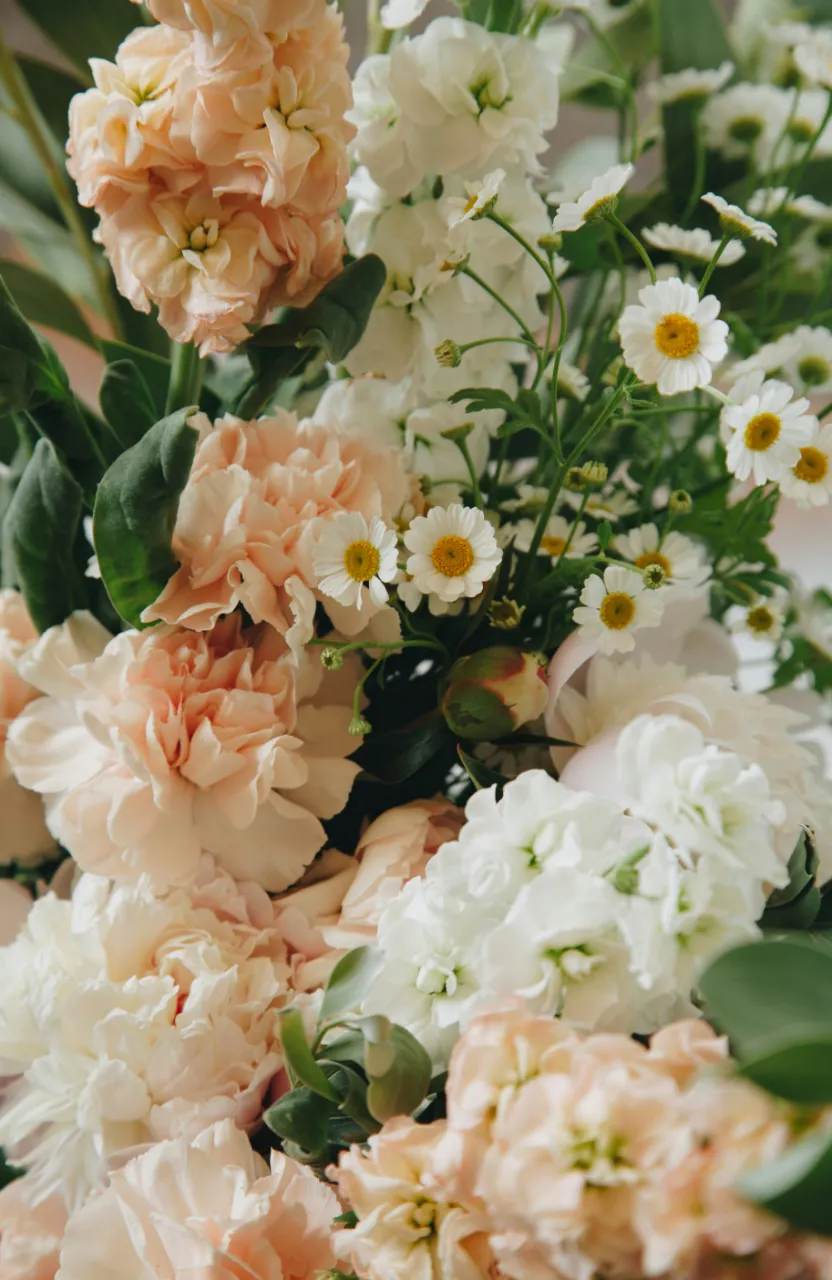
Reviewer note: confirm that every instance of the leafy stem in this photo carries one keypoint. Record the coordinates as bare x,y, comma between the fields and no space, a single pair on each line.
625,231
185,377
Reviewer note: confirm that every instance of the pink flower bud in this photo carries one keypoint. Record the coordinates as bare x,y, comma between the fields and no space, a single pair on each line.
491,693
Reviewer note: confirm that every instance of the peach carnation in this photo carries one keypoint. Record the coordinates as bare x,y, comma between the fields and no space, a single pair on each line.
128,1018
252,512
215,264
30,1238
406,1229
237,29
152,746
212,1208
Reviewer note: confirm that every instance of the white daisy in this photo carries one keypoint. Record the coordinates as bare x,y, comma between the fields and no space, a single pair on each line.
808,207
453,552
600,199
615,606
735,220
767,432
693,82
681,559
734,121
810,251
696,244
810,365
610,504
351,555
480,197
768,200
814,59
793,125
529,497
765,619
809,482
788,34
555,537
411,597
572,383
771,358
674,338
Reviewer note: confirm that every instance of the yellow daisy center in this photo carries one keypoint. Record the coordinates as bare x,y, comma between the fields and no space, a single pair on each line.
677,336
745,128
814,370
813,465
761,620
762,432
362,561
653,557
617,610
452,555
552,544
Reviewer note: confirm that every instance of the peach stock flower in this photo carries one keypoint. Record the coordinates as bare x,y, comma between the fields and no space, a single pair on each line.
211,1208
30,1238
154,746
239,28
252,511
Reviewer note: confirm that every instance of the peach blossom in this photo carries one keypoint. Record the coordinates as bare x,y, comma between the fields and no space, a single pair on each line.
213,265
211,1208
30,1238
393,849
251,513
682,1049
237,29
169,742
406,1230
303,913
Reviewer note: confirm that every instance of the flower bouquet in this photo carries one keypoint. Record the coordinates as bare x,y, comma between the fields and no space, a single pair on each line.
415,833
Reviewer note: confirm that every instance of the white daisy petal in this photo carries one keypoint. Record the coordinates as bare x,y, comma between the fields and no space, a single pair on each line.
673,338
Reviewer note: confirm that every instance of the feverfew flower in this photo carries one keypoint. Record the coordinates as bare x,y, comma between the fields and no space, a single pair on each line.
696,244
352,554
809,482
736,221
480,196
615,606
600,199
735,120
453,552
609,504
674,338
811,361
681,559
690,84
814,59
572,382
556,540
768,430
764,620
771,358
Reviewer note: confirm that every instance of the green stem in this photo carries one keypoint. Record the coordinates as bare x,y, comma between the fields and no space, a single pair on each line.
486,342
568,543
379,38
29,117
794,180
185,377
698,174
826,409
625,231
492,293
521,240
709,270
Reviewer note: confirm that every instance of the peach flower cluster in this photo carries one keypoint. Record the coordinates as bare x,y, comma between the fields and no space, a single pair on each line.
565,1157
152,747
255,505
214,150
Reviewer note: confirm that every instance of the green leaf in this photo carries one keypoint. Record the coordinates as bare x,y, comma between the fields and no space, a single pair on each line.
400,1090
126,402
135,513
40,529
797,1185
20,217
154,369
53,90
299,1057
349,981
302,1118
43,301
8,1172
397,755
93,29
800,1073
352,1089
479,773
21,356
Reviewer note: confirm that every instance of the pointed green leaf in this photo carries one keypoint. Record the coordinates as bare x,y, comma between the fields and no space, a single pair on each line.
797,1185
126,402
43,301
400,1090
349,981
93,29
299,1057
301,1117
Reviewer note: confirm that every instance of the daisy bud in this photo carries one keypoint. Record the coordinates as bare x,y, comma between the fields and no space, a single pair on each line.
680,502
332,659
594,473
575,480
506,614
491,693
654,577
458,434
358,726
448,354
551,242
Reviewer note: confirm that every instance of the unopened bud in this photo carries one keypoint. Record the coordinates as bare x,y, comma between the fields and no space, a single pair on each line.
332,659
506,614
574,480
594,473
359,726
458,434
493,692
654,577
680,502
456,265
448,353
550,242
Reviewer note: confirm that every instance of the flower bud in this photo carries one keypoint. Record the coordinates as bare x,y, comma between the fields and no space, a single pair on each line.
332,659
506,614
550,242
654,577
680,502
491,693
358,726
574,480
448,354
594,473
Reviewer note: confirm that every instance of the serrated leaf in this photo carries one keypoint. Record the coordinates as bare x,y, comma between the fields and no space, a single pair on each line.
349,981
135,514
299,1058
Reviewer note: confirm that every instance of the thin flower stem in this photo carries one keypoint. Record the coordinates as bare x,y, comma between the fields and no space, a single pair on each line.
547,270
568,543
700,157
462,444
625,231
354,646
521,324
378,37
29,117
185,377
794,180
486,342
826,409
709,270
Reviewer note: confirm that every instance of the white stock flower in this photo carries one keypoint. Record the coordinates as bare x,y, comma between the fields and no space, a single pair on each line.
767,432
690,84
351,555
682,560
599,199
478,196
735,120
736,221
695,244
396,14
809,482
615,606
673,338
453,552
556,540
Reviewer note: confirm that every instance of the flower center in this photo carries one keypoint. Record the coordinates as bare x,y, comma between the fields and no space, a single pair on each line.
745,128
552,544
813,465
814,370
801,131
204,236
762,432
760,620
677,336
452,556
617,610
361,561
653,557
607,204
